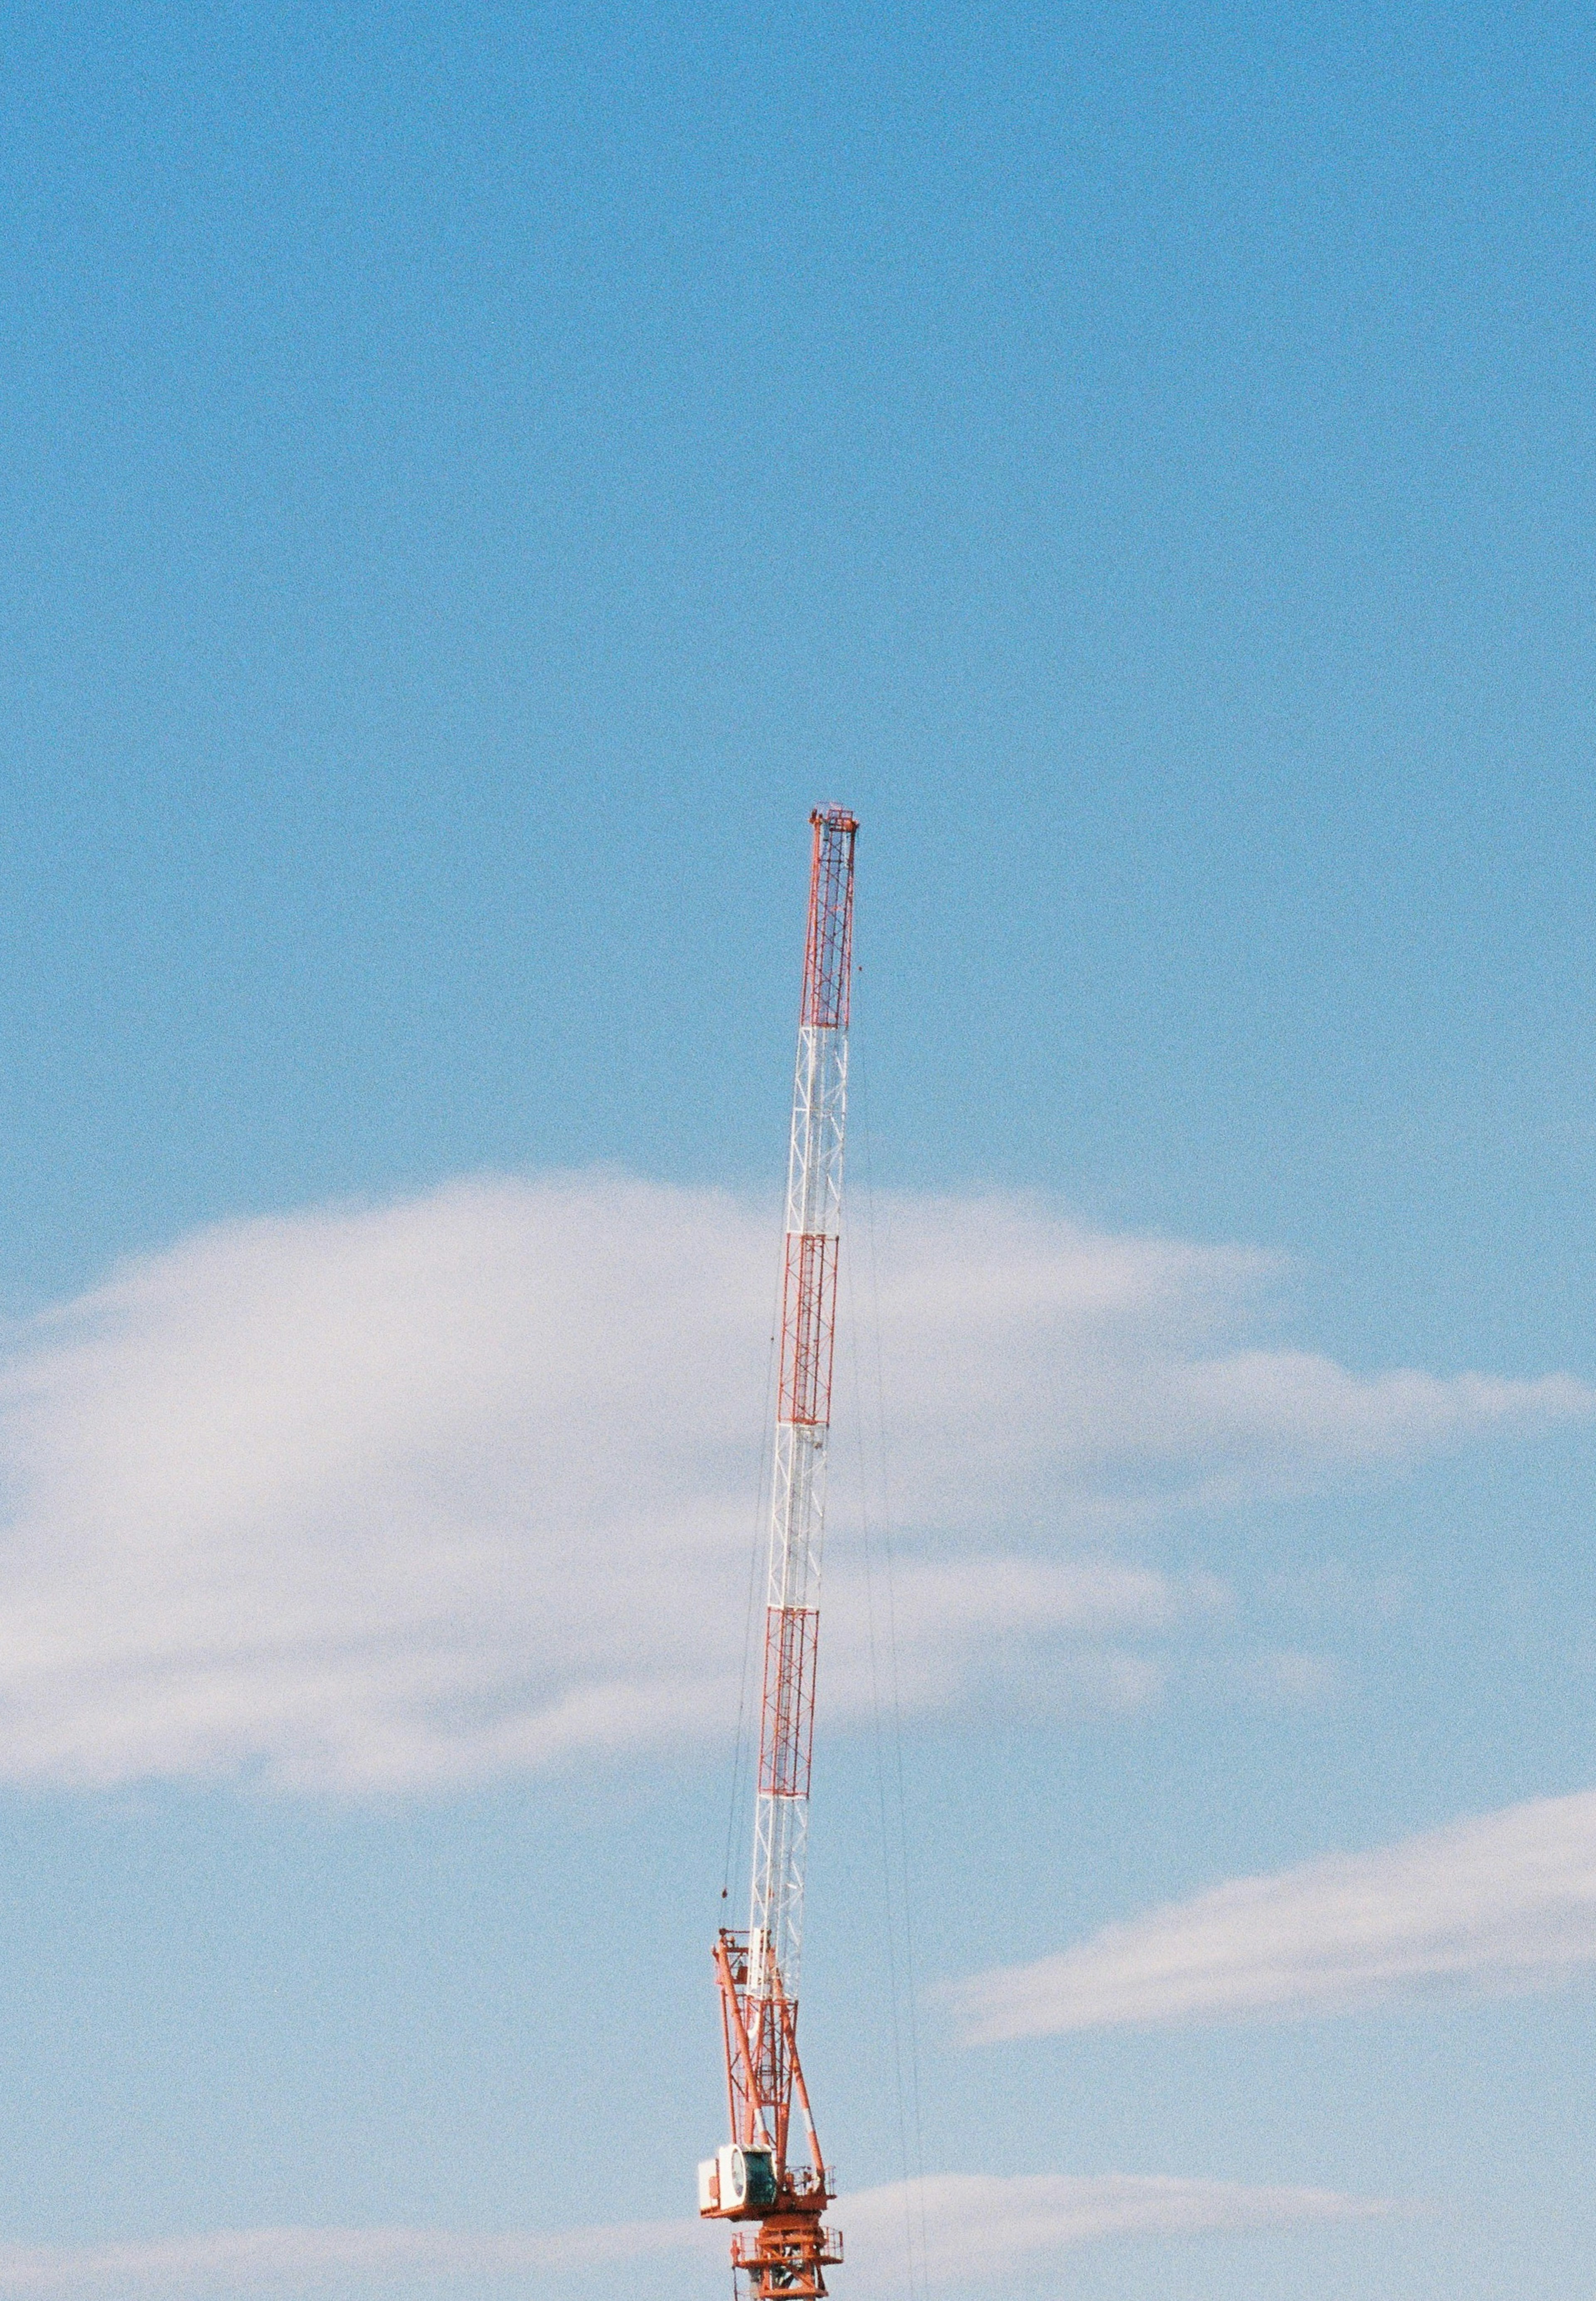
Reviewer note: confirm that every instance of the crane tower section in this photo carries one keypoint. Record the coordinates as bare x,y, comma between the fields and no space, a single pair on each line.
751,2179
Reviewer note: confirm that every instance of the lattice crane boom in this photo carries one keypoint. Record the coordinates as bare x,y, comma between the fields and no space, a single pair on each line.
750,2179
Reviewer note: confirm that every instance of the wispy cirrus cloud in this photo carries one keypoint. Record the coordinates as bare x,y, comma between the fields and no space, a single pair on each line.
966,2228
983,2229
1504,1903
388,1497
268,2260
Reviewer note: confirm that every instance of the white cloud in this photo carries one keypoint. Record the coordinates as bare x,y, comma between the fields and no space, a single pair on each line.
965,2227
985,2227
422,1493
1504,1903
264,2260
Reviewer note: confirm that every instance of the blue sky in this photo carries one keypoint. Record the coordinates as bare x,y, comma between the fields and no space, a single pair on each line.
474,478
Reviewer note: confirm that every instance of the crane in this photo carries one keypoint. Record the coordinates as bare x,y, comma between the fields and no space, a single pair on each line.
782,2248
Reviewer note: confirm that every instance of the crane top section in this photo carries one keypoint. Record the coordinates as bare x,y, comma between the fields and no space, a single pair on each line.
829,951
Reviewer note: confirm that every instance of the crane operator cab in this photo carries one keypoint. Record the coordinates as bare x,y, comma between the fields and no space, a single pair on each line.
737,2184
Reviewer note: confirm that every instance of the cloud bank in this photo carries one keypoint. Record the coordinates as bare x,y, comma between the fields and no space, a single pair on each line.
1504,1903
974,2226
409,1496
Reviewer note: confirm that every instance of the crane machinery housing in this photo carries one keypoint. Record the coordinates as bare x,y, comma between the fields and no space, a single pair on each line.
782,2248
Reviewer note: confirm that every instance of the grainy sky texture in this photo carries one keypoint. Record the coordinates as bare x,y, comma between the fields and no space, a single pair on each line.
474,479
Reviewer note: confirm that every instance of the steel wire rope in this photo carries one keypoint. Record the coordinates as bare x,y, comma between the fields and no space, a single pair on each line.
916,2166
903,1823
889,1930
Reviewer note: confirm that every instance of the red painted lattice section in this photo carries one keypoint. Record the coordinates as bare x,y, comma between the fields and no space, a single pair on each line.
785,1730
808,1327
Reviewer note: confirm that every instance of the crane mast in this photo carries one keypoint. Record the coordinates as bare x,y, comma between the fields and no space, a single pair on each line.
752,2178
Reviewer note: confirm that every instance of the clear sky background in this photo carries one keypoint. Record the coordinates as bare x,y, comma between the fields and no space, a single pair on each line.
473,478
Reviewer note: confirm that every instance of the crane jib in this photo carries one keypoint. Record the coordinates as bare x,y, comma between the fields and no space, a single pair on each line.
750,2179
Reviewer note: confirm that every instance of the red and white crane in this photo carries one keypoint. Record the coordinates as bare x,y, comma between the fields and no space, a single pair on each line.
753,2178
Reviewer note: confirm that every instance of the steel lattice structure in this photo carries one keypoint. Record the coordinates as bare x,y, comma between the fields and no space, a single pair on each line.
751,2180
